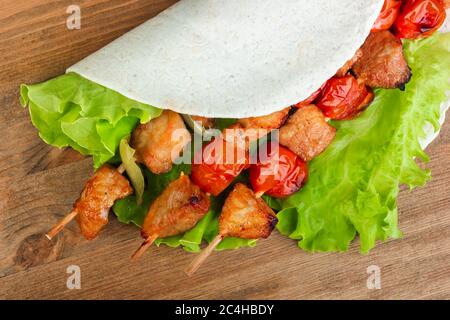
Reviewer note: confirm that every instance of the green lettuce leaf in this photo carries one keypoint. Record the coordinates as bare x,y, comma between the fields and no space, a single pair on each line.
127,211
71,111
353,185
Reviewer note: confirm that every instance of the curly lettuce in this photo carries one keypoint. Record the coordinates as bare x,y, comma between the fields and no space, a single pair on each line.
71,111
353,186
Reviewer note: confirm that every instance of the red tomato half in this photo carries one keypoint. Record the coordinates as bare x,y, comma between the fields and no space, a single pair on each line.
217,165
419,18
389,13
279,174
343,98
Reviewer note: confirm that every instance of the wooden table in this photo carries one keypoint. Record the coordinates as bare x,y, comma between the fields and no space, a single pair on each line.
38,184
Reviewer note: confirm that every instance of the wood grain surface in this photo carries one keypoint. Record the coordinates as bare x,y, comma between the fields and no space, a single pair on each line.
38,185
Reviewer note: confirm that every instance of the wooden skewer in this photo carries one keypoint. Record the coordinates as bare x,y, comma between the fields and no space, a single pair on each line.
121,168
203,255
61,225
198,261
144,246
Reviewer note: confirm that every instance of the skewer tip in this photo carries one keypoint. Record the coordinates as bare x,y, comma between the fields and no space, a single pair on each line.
144,246
61,225
121,168
203,255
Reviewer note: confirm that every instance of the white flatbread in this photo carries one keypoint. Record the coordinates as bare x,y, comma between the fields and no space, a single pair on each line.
233,58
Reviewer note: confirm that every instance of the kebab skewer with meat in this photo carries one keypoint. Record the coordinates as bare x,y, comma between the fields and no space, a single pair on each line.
92,208
180,206
157,143
245,216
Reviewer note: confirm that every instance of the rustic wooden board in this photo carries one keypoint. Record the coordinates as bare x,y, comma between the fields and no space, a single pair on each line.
38,185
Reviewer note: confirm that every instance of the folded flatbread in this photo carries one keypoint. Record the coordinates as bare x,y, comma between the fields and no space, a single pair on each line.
233,58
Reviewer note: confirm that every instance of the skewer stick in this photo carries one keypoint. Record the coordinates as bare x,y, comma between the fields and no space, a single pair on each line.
147,242
121,168
144,246
203,255
198,261
61,224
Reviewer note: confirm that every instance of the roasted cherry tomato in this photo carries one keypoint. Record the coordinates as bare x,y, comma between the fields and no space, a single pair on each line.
343,97
389,13
419,18
218,164
279,173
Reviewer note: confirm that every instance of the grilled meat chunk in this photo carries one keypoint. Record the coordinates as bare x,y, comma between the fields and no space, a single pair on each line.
245,216
98,196
247,130
160,141
349,64
269,122
178,209
307,133
382,63
207,123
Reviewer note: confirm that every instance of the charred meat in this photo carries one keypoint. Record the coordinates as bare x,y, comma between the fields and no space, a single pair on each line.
382,63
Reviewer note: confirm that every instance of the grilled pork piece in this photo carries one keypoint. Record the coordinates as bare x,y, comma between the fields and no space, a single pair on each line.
382,63
98,196
160,140
307,133
178,209
246,216
207,123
